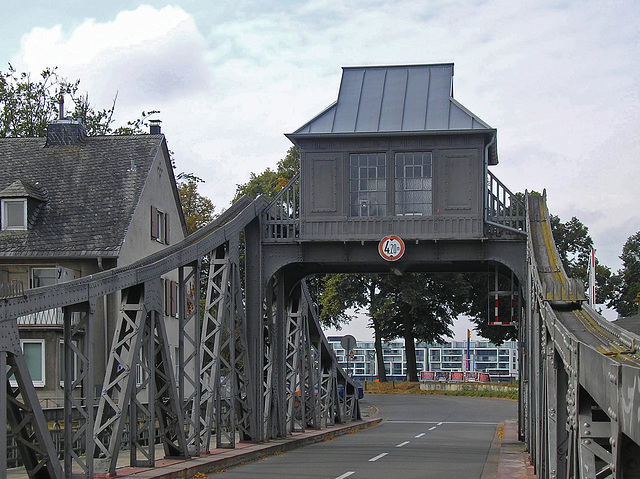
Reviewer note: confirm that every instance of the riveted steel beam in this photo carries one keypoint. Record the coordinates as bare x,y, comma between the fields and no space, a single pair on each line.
120,380
79,410
22,411
189,352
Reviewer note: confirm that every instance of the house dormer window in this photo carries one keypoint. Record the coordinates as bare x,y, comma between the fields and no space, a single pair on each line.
14,214
20,203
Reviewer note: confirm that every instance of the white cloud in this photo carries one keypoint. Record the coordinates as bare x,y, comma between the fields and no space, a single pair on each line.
146,55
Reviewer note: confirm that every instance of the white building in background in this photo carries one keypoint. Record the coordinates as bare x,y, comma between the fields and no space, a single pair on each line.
500,362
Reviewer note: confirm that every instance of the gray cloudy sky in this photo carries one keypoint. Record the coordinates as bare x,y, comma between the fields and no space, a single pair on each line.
558,79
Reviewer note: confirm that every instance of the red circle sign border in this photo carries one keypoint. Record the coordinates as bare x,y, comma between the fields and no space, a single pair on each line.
384,255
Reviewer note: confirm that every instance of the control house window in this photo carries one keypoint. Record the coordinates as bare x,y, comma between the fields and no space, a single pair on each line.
413,184
14,214
368,184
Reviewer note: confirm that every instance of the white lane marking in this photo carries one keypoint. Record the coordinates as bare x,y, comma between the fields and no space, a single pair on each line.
379,456
420,435
432,428
471,423
346,474
403,444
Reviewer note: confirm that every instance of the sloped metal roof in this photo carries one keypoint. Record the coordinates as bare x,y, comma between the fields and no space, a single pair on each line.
406,98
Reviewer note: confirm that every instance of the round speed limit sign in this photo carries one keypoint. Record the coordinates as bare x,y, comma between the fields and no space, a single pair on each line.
391,248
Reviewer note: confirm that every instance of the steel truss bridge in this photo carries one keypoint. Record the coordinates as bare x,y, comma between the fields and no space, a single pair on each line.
254,363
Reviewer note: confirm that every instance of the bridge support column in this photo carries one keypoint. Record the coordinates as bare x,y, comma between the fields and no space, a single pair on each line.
295,364
256,317
78,377
20,409
189,352
140,382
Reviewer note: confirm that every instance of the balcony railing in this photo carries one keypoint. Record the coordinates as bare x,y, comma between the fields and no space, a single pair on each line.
11,289
48,317
281,219
504,215
504,211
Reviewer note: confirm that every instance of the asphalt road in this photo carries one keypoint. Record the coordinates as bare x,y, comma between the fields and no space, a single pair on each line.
421,437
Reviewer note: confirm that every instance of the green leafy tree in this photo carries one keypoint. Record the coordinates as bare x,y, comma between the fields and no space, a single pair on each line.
419,306
626,282
574,245
198,209
29,103
339,293
269,182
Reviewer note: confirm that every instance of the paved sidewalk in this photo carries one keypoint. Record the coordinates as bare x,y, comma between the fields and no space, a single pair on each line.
220,459
507,458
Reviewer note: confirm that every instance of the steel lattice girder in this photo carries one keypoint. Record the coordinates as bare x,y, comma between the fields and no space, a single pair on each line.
120,378
139,378
189,353
78,350
25,416
224,403
294,367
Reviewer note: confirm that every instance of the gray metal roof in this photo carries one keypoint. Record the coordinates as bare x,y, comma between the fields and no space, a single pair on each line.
91,192
410,98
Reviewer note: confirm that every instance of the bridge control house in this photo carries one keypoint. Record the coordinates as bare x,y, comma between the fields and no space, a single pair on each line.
397,155
395,144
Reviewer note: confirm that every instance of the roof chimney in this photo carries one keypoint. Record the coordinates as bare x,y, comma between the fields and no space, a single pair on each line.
154,127
65,132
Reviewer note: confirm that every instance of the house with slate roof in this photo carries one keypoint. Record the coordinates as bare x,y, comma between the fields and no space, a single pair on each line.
72,205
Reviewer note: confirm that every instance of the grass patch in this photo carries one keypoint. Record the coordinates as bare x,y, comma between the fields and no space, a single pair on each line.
505,390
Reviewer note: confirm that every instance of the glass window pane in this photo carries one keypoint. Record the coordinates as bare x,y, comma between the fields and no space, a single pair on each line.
44,276
13,214
365,184
413,186
32,353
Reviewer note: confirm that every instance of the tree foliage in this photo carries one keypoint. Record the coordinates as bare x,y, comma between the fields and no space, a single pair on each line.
28,105
269,182
198,209
419,306
574,245
626,282
340,293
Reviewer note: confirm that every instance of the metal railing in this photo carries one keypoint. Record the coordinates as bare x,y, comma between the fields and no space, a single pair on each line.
504,211
48,317
11,289
281,219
